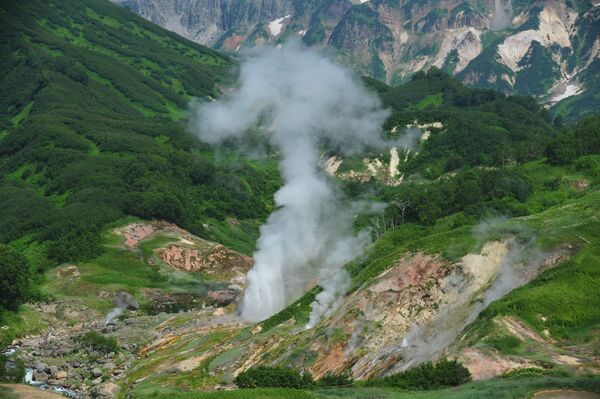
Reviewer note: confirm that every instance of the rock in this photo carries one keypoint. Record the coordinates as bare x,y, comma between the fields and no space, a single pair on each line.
61,375
53,371
125,300
109,366
96,372
235,287
223,297
219,312
40,377
67,271
107,390
41,367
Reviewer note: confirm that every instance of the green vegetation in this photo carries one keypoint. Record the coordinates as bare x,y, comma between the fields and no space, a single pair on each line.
506,344
445,373
14,278
91,127
91,112
572,142
261,393
335,380
274,377
99,342
11,372
481,127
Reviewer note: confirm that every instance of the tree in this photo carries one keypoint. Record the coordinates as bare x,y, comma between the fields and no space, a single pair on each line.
15,282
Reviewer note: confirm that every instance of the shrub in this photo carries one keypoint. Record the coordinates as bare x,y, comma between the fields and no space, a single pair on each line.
506,344
15,282
427,376
99,342
11,372
335,380
274,377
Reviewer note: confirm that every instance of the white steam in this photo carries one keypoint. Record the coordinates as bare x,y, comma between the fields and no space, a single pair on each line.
298,100
521,264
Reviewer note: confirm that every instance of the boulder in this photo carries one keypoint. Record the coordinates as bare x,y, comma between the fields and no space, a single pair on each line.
61,375
107,390
40,377
109,366
41,367
223,297
96,372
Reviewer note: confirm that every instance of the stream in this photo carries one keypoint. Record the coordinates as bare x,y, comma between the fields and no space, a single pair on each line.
40,385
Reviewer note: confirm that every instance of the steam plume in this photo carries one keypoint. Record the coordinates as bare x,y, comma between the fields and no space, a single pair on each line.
298,100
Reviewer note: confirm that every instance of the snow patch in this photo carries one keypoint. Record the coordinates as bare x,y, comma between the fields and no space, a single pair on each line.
302,32
276,26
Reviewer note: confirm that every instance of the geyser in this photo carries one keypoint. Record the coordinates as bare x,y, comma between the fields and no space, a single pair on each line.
299,101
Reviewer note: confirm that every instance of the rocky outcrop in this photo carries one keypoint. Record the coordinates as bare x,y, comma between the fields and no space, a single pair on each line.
213,259
391,40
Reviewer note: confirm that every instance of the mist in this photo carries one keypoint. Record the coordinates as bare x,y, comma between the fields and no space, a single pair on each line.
302,104
521,263
502,14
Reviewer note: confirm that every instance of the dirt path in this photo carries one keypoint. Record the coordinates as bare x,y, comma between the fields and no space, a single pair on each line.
27,392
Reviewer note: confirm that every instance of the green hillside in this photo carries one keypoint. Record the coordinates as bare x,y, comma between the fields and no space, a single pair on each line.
92,109
104,192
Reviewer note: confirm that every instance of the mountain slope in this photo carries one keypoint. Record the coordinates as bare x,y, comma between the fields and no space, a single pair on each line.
92,135
542,48
90,111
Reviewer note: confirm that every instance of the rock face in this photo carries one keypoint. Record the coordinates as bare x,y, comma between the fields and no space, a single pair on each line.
530,48
213,259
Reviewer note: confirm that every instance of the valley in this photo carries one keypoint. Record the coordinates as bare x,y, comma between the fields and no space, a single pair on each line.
425,239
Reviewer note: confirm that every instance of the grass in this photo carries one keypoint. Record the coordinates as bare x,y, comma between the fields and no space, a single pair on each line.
24,113
500,388
505,344
270,393
12,325
432,100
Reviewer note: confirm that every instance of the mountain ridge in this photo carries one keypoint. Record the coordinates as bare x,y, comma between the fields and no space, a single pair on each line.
545,49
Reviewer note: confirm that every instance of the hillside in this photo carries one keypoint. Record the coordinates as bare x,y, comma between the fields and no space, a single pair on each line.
547,49
126,242
91,130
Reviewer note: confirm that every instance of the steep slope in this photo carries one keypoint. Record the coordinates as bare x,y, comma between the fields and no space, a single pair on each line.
91,108
540,48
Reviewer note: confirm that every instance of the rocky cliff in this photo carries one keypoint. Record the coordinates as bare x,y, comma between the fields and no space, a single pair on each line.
548,49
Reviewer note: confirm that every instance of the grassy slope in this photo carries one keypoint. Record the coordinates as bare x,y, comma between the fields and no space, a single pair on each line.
92,112
565,214
567,294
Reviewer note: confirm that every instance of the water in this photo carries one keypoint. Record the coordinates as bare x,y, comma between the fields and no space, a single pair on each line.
40,385
47,387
